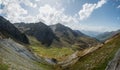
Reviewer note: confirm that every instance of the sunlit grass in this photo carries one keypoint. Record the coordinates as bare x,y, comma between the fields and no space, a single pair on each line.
45,66
52,52
49,52
2,65
99,59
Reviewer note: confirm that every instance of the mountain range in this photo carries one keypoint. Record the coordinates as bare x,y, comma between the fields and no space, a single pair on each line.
106,35
57,35
37,46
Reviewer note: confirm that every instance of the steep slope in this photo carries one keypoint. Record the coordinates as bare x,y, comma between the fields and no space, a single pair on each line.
98,59
73,37
114,64
9,30
38,30
16,56
106,35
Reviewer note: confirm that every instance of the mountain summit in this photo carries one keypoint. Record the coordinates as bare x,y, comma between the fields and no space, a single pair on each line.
72,37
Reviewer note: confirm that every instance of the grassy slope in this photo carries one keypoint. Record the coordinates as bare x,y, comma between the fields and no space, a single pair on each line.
52,52
99,59
45,66
3,66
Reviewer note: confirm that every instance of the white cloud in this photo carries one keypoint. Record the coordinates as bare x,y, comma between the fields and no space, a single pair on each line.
55,3
87,9
100,3
48,13
37,0
28,3
52,15
14,11
0,11
118,6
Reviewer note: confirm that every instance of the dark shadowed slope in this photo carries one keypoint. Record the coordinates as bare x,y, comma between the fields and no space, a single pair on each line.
39,30
9,30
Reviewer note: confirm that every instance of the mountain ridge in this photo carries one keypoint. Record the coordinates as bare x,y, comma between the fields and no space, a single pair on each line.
9,30
39,30
106,35
62,36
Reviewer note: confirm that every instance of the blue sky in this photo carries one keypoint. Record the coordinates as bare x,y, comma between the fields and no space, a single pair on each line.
89,15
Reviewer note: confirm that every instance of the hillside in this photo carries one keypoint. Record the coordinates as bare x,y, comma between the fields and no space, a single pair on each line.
106,35
14,53
73,38
38,30
14,56
98,59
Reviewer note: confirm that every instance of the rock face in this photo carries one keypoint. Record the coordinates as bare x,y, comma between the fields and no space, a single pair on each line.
40,31
9,30
17,56
115,63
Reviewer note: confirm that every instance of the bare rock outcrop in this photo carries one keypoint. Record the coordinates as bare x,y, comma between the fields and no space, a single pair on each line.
115,63
17,56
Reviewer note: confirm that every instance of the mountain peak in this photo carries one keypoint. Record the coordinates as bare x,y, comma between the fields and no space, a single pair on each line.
59,24
7,29
2,19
